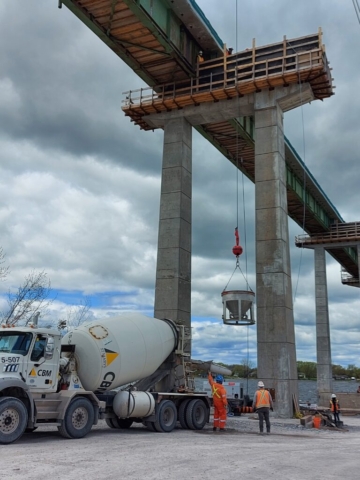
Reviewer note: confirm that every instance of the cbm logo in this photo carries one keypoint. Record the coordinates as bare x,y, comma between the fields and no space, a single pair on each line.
12,367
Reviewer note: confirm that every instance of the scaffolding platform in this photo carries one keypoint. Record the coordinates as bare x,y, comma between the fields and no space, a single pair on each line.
300,60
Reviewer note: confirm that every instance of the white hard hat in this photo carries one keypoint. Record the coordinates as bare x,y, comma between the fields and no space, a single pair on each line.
333,395
200,52
261,384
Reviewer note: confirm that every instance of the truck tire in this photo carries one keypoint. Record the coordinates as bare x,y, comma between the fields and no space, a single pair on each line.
166,416
196,414
150,426
182,413
13,419
78,419
119,422
109,422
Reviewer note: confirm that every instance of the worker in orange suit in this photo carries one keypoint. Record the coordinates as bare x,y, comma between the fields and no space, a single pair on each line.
262,404
220,401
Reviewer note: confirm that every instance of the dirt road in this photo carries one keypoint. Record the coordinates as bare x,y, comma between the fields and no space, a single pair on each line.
290,453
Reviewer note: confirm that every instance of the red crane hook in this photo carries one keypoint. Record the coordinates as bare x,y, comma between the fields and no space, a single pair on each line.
237,249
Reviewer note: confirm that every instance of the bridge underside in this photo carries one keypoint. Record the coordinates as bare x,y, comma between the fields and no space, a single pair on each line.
161,48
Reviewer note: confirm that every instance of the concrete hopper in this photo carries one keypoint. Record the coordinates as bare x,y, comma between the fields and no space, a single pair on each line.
238,307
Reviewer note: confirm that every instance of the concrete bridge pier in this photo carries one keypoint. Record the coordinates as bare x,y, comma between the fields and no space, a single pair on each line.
323,344
173,272
275,321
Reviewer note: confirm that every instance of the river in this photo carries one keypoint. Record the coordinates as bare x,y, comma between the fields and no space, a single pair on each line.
307,388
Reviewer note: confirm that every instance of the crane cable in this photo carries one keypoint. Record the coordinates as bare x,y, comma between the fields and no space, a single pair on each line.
237,206
237,265
357,9
304,177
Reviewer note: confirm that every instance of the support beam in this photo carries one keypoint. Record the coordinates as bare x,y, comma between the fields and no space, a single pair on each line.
212,112
323,346
173,271
275,320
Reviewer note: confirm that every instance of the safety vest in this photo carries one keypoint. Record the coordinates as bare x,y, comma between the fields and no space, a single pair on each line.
337,405
218,392
262,399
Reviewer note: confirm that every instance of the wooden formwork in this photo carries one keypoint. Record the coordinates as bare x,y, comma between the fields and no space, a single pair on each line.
338,233
301,60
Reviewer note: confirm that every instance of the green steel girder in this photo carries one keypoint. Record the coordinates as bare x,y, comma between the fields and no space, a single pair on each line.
311,204
240,130
110,41
146,20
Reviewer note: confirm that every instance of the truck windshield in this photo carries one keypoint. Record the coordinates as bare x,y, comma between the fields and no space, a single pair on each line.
15,342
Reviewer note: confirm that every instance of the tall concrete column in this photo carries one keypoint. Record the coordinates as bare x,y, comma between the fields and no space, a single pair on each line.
275,320
173,271
323,345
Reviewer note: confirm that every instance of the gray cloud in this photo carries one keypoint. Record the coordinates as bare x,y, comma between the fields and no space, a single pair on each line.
81,184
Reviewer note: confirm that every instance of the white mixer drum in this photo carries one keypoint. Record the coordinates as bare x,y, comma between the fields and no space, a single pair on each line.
119,350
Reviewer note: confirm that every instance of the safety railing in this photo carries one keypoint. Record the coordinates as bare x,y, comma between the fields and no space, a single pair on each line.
214,75
340,232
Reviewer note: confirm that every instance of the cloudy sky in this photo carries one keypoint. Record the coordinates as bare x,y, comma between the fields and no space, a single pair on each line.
80,184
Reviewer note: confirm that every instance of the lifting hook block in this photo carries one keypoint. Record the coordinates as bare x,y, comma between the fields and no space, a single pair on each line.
237,249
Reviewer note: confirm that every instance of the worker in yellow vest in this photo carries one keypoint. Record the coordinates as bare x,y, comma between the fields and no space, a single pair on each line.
218,392
262,404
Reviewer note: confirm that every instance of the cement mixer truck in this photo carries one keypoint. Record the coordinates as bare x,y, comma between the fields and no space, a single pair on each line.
122,369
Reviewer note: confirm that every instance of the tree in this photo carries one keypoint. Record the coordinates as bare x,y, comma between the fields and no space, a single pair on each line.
75,315
246,369
30,298
307,369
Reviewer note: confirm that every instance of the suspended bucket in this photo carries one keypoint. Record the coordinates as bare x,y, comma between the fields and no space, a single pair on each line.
238,307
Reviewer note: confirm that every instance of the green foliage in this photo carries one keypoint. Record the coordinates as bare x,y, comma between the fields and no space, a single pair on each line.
306,370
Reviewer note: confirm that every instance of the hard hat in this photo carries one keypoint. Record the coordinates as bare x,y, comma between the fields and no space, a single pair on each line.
333,395
200,52
219,379
261,384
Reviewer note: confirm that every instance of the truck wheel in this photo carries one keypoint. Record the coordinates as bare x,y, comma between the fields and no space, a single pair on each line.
119,422
109,422
150,426
13,419
78,419
196,414
166,416
182,413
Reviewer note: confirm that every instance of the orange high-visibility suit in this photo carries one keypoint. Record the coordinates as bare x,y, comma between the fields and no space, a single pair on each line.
220,403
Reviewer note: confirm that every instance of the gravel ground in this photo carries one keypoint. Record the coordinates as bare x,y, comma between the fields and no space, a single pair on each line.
291,452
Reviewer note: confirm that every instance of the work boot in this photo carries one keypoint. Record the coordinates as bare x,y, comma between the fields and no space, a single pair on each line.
214,429
222,429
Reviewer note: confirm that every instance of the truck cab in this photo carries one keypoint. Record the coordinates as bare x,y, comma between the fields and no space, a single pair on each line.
31,356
